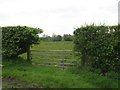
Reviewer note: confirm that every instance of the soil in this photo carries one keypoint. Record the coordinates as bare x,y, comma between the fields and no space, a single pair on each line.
14,83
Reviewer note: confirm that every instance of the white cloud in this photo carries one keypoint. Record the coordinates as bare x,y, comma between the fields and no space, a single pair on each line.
58,16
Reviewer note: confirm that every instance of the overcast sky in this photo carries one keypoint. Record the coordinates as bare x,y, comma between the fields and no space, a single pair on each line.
119,12
58,16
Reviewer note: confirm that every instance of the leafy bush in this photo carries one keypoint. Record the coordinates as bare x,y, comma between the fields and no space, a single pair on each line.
17,39
98,47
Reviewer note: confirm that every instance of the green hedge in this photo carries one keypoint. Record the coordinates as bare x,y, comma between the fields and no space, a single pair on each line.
16,39
98,47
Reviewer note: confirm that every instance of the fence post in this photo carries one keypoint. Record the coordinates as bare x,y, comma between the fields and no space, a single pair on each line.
28,54
62,60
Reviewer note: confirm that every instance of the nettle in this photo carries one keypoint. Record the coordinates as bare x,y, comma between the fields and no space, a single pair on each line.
98,47
18,39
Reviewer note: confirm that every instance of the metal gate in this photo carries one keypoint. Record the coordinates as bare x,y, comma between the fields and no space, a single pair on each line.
56,58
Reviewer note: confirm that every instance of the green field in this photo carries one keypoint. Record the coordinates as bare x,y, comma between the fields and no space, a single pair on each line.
59,45
17,73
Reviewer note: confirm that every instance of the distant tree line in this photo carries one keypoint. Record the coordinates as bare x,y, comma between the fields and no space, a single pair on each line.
65,37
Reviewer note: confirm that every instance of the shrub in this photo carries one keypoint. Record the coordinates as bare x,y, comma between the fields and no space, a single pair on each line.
98,47
18,39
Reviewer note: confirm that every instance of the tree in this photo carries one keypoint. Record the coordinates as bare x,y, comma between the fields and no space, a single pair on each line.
18,39
67,37
56,37
46,37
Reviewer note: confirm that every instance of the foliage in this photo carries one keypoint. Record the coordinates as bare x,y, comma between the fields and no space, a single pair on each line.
98,47
17,39
46,38
67,37
56,37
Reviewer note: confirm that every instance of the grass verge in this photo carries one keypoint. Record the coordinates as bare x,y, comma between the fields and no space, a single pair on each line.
27,75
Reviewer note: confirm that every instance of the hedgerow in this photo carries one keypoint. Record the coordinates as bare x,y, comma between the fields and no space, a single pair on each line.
98,47
18,39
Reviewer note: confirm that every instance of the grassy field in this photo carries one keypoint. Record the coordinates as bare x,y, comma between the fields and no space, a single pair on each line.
19,74
63,45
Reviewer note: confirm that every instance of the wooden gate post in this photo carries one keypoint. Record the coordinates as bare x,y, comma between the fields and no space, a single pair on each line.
28,54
